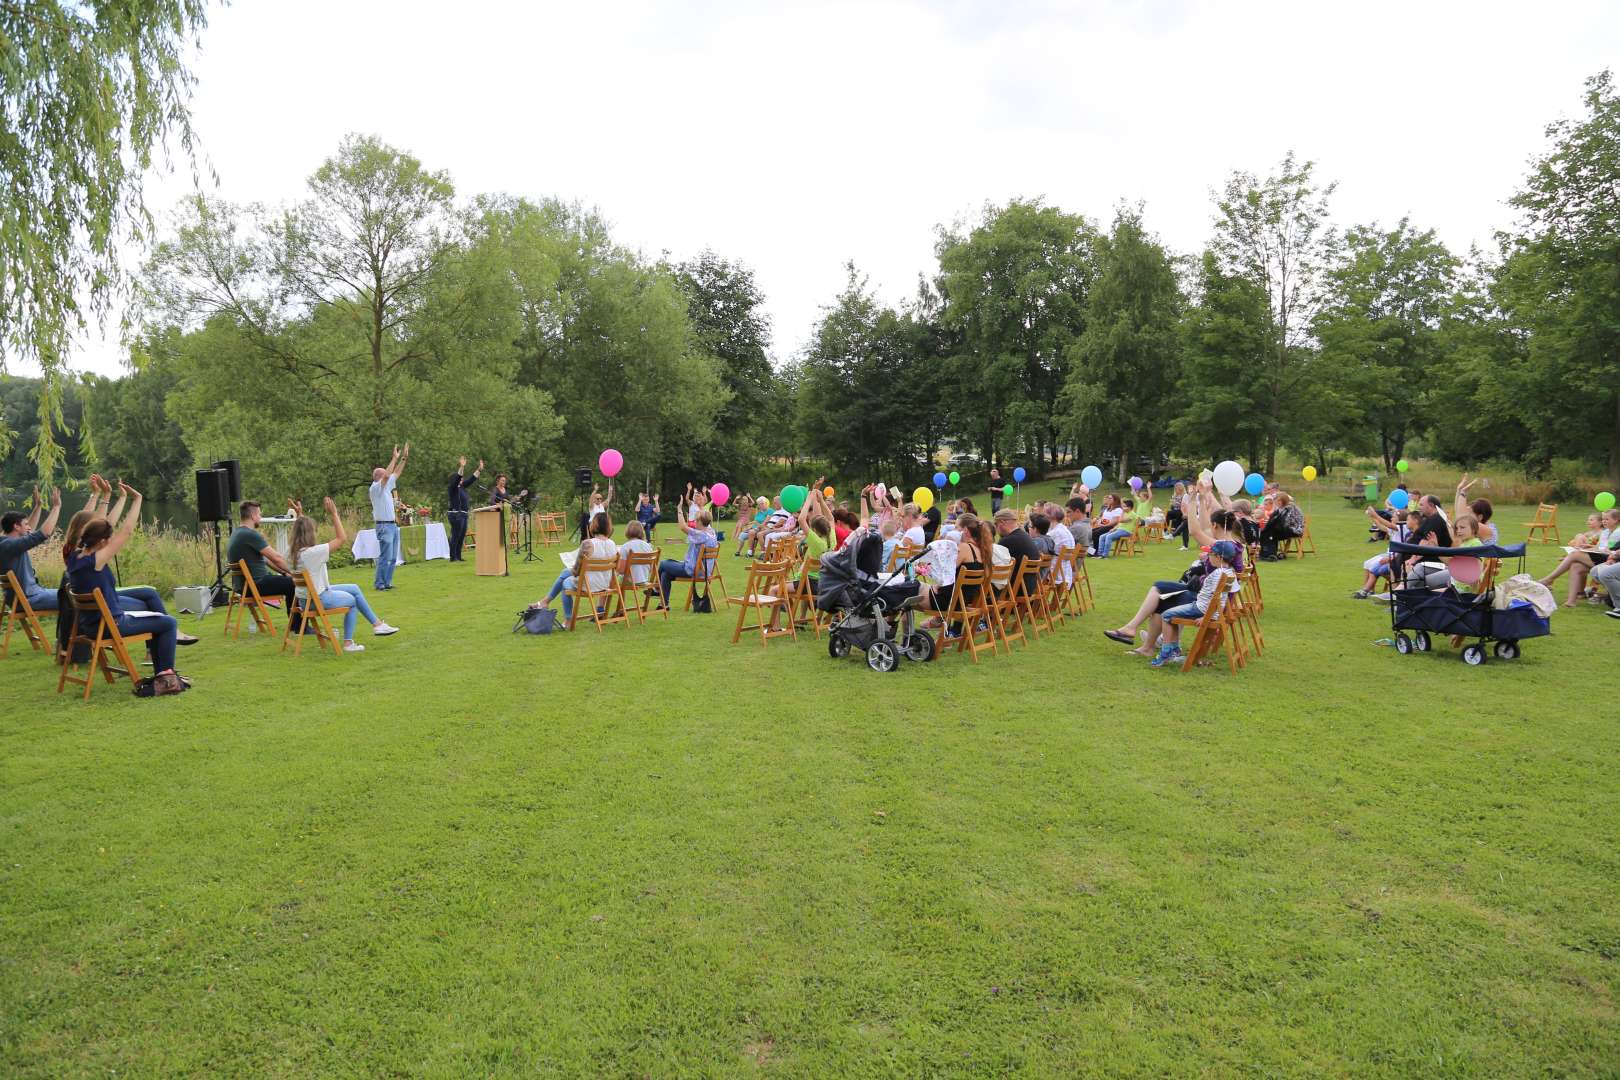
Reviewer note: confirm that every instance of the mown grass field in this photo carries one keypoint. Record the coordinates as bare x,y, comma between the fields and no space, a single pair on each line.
652,853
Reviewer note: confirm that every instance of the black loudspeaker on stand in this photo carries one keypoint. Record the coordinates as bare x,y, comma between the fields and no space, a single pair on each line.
233,477
214,488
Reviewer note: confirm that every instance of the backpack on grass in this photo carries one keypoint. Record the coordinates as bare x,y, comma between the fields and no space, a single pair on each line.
537,619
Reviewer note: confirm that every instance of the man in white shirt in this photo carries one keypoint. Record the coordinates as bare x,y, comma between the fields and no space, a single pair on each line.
382,514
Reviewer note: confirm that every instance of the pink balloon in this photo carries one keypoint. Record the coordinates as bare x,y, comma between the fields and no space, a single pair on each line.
610,463
720,494
1466,569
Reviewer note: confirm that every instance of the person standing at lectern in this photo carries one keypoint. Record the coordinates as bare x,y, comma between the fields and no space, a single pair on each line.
382,513
459,504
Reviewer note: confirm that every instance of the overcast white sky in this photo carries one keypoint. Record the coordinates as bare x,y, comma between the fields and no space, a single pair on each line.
795,136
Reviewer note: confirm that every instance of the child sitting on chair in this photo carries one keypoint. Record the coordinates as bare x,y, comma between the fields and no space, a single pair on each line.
1222,555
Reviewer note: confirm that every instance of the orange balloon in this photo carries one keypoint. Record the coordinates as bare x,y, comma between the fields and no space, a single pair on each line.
827,491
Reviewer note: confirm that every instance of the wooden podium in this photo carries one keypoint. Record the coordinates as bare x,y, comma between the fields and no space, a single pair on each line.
489,553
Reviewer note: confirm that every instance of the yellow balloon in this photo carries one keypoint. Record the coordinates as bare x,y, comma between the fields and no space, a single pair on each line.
1309,473
923,498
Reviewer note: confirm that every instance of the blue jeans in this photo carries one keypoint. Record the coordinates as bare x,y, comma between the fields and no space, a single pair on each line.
564,582
1106,542
40,599
387,553
162,628
141,598
668,571
351,597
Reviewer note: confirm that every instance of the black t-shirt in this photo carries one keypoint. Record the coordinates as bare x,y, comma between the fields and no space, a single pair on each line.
1021,545
1433,530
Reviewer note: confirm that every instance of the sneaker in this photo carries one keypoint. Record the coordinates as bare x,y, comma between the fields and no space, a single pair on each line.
1167,654
1360,594
353,646
382,629
1613,613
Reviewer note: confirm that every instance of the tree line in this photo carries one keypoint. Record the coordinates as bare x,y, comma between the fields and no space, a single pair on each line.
305,339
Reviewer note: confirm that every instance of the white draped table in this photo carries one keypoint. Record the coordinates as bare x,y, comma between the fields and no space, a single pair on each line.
426,541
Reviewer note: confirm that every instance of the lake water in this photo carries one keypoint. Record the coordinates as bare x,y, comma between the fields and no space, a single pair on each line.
177,515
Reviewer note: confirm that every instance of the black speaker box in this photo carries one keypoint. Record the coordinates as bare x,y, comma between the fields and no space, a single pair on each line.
233,469
213,495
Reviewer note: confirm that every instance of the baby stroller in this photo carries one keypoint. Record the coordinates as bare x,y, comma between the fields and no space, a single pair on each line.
872,613
1445,611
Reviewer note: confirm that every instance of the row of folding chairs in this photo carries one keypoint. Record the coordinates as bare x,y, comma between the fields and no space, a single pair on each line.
632,592
993,607
109,653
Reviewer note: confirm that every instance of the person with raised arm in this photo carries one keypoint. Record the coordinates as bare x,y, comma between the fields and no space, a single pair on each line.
458,504
88,572
19,534
309,556
383,481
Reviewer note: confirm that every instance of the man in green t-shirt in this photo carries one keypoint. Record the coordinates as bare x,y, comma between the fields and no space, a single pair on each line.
249,544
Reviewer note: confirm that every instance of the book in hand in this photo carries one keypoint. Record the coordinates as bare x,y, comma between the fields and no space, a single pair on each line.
569,558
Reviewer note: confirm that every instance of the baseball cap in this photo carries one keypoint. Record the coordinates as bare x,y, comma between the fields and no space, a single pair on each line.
1226,549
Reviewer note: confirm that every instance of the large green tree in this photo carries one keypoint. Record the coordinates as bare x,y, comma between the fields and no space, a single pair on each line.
1228,338
1560,282
1125,364
726,309
88,91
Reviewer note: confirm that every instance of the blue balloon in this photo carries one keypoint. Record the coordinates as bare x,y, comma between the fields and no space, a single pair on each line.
939,479
1091,476
1019,474
1254,483
1398,499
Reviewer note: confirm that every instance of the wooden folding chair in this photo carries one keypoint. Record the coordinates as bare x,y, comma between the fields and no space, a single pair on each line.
1002,605
315,615
596,604
1125,546
16,609
902,554
1301,545
969,615
707,571
1053,589
1545,522
1245,611
639,580
802,610
1031,604
1211,635
767,593
247,599
1153,530
1082,581
1070,599
106,638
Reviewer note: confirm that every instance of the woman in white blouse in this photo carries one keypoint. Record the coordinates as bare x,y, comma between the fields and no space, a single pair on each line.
313,557
599,545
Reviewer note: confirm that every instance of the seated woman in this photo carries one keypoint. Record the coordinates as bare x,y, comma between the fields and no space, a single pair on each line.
1285,522
1587,551
747,529
138,597
1207,524
87,571
975,541
636,544
1125,524
1379,565
931,524
313,557
698,537
598,545
1480,508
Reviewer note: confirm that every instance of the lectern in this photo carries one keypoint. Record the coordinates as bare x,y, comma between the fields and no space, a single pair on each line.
489,553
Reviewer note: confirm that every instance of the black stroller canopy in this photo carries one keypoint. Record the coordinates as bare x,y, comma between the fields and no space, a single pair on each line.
1482,551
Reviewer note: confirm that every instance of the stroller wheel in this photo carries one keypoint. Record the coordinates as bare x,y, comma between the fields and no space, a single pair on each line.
1403,644
1474,655
837,645
921,646
1507,650
1422,641
882,656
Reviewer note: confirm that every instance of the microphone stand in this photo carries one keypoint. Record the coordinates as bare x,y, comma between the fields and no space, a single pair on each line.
528,531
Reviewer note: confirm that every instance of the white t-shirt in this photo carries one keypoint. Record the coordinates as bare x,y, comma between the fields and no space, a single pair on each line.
914,536
1063,540
639,575
314,560
1112,517
382,498
599,547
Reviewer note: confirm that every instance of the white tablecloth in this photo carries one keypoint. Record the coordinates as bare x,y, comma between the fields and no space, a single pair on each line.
436,543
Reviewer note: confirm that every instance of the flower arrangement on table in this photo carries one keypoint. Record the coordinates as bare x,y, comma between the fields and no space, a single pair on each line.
412,515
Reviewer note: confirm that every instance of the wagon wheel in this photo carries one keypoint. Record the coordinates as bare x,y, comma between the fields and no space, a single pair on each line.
837,645
1507,650
1474,655
1403,644
1422,641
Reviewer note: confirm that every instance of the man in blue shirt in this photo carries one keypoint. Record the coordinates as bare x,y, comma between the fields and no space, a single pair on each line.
19,534
458,506
382,514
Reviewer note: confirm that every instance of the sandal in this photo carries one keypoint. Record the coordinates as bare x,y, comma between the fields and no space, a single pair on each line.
1119,636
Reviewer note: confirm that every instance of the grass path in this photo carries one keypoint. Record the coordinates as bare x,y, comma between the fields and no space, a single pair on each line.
652,853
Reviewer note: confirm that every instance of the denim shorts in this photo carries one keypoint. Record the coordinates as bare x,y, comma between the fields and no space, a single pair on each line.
1185,611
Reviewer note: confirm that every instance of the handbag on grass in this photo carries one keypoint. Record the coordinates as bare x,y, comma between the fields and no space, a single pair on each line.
538,619
700,602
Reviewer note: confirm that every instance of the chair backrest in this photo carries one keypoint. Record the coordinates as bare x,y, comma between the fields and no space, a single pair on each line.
312,596
641,569
14,594
767,577
94,599
592,565
708,562
969,578
250,588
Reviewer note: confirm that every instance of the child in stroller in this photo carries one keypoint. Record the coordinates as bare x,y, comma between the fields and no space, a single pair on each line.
871,611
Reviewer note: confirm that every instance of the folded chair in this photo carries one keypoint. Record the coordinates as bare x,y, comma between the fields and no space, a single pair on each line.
105,639
16,610
314,615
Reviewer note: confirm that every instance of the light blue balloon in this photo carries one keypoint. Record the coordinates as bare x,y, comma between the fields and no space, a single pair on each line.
1254,483
1019,474
1398,499
1091,476
939,479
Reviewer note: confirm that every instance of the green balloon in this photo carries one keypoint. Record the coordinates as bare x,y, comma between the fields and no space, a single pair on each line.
955,477
1402,465
1006,489
1604,500
793,497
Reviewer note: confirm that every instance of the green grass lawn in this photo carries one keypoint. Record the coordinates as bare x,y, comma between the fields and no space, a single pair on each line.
650,852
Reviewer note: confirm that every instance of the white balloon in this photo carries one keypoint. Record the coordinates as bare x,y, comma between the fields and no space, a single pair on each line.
1228,477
